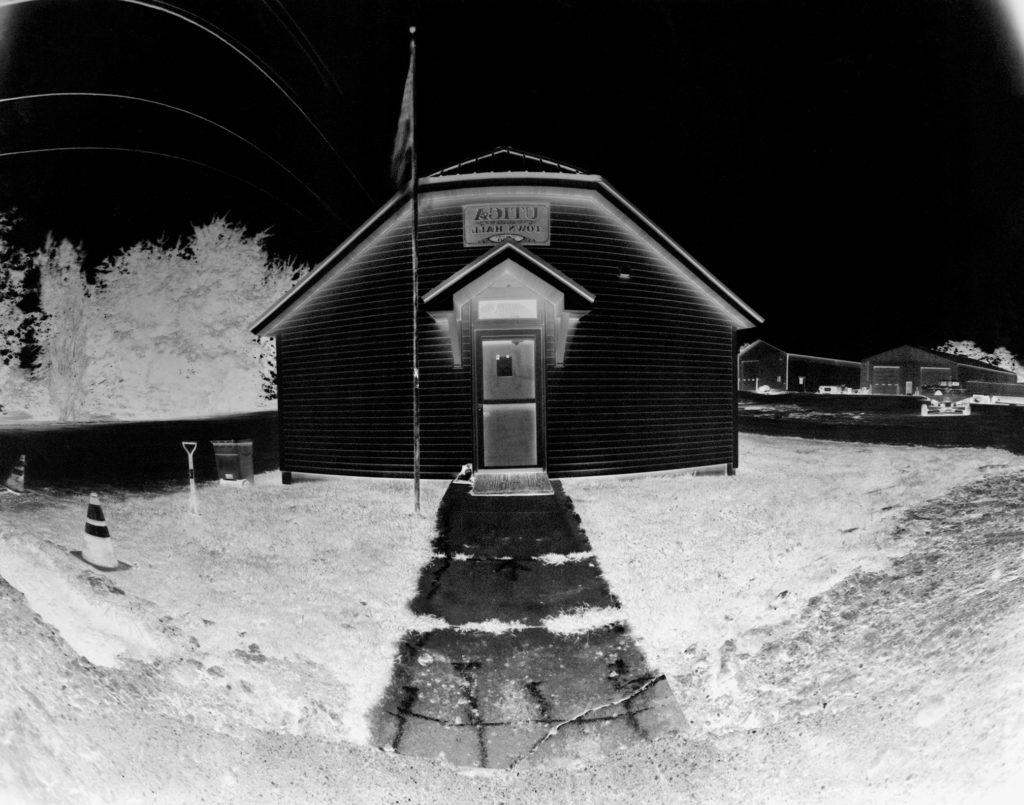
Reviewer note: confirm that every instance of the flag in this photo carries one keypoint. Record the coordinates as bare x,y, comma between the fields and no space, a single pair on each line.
401,156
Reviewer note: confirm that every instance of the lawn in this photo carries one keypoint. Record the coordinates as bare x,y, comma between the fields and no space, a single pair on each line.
265,629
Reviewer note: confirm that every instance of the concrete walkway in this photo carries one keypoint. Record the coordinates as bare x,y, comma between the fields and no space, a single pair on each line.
515,693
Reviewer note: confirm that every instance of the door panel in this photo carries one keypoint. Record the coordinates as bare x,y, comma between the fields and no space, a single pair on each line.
885,380
934,375
508,425
510,434
748,375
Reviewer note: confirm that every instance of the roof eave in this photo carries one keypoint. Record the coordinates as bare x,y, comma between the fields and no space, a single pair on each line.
744,316
959,360
518,254
753,344
751,317
748,317
264,325
823,358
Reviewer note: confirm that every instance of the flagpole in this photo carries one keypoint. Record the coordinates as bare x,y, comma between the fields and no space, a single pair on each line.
415,279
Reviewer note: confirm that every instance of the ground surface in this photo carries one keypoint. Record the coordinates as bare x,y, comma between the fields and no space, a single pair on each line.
840,623
497,687
883,419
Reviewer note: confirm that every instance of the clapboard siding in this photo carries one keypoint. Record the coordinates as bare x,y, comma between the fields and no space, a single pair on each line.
647,382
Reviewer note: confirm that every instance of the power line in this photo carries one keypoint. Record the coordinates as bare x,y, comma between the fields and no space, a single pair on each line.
295,31
190,113
147,152
252,60
215,30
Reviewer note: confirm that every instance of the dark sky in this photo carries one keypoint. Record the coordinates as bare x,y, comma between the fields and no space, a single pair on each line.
853,170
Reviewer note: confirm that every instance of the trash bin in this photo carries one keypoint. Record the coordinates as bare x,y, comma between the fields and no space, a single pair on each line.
234,461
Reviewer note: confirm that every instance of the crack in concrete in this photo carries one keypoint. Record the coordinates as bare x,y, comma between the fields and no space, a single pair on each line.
461,725
403,714
409,651
541,701
551,733
468,672
511,568
616,673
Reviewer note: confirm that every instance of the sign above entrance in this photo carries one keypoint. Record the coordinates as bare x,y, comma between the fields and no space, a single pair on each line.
487,224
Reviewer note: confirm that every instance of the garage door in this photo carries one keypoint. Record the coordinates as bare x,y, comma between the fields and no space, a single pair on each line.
885,380
934,375
748,375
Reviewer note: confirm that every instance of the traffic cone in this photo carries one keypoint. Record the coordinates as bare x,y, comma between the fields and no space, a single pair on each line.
16,480
99,549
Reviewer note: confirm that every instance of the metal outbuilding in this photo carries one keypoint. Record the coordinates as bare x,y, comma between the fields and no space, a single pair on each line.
760,364
560,329
908,370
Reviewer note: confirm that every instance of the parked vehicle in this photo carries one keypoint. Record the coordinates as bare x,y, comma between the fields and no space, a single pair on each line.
946,391
946,406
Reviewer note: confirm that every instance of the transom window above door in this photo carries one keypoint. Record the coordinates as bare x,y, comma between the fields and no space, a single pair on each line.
492,309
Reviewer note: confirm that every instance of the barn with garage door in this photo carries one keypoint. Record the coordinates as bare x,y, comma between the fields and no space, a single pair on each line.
560,330
908,370
761,365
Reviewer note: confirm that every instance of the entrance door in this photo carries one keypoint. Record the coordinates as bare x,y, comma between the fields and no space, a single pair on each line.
509,394
935,376
885,380
748,375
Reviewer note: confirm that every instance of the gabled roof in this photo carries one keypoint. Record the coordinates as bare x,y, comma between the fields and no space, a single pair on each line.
964,360
823,358
960,360
753,344
505,159
498,254
445,181
750,346
483,171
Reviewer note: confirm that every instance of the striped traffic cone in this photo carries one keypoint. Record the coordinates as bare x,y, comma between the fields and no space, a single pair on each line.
99,548
16,480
